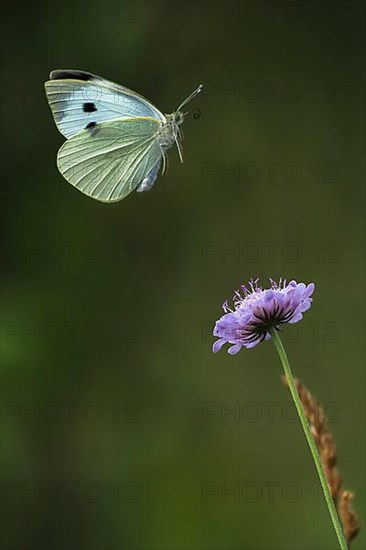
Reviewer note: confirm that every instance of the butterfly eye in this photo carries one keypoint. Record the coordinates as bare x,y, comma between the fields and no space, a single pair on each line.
179,117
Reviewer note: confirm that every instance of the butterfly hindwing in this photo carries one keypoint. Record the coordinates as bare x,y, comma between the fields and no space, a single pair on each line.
78,98
109,160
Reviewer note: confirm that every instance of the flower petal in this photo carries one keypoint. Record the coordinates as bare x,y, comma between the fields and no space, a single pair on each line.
309,290
216,346
295,319
234,349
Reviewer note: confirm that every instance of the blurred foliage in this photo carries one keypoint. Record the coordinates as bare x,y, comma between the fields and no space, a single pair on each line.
121,298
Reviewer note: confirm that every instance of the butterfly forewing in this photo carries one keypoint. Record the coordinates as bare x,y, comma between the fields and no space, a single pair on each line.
78,98
110,160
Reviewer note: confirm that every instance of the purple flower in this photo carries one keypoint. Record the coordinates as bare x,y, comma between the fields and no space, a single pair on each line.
258,310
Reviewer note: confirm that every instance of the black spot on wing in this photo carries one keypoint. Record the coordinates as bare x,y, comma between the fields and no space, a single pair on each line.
91,125
89,107
75,75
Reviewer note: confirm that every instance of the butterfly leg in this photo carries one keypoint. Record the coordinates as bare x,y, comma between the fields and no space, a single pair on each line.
149,180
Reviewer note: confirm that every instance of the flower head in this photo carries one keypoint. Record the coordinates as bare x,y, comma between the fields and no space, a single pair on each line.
256,311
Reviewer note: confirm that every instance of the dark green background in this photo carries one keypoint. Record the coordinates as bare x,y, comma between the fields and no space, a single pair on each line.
164,293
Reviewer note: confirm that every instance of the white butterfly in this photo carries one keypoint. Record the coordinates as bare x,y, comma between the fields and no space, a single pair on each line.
116,138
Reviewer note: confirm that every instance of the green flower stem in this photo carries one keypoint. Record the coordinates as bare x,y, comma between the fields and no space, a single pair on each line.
310,439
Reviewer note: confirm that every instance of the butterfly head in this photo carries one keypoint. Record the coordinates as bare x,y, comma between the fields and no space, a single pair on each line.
178,117
171,131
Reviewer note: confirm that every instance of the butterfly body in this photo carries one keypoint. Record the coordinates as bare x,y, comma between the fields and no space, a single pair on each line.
116,139
149,180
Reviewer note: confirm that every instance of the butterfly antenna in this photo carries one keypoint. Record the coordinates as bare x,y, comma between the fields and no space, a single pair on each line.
191,96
